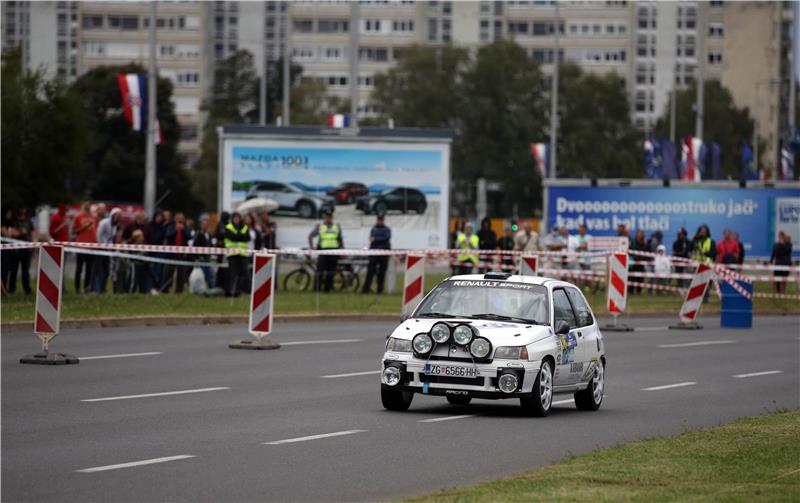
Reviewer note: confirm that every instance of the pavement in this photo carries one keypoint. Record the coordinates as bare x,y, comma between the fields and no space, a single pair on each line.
171,414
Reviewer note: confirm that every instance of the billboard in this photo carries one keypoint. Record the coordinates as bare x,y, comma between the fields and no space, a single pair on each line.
757,214
406,181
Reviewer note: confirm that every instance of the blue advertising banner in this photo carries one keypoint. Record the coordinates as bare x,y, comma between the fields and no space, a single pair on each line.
757,214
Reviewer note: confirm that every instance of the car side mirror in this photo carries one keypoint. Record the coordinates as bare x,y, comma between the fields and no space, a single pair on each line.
562,327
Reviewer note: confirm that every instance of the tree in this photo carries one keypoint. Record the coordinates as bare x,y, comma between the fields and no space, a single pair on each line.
723,123
43,138
596,137
115,159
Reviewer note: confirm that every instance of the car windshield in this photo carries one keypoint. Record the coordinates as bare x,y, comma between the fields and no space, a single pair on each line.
489,299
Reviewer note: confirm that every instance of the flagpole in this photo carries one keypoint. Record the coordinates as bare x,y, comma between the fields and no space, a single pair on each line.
287,66
355,21
150,154
554,100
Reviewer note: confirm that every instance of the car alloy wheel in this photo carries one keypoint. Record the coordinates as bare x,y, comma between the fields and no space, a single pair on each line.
598,384
546,385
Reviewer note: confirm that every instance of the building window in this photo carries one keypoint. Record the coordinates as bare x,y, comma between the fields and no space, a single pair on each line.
372,25
166,51
403,25
433,26
716,30
303,25
373,54
446,30
187,79
92,22
94,49
123,22
331,53
188,132
518,28
484,30
715,57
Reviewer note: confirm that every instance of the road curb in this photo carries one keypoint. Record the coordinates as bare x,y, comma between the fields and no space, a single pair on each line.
161,321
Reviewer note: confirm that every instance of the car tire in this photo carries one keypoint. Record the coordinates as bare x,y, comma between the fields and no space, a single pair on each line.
591,397
396,400
459,399
306,210
351,199
421,207
541,400
380,208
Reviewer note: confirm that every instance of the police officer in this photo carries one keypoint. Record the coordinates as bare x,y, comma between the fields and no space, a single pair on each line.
380,238
330,238
237,235
465,242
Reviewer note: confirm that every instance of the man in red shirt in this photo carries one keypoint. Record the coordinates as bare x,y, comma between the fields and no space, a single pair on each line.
728,249
59,225
84,228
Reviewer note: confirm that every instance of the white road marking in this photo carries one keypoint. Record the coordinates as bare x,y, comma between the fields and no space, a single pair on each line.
331,341
135,463
126,355
148,395
352,374
447,418
698,343
756,374
649,329
314,437
669,386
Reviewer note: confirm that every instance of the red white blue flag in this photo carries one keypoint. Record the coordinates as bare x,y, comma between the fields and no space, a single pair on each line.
693,159
541,157
133,90
339,120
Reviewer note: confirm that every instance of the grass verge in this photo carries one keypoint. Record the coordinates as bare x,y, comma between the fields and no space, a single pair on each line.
756,459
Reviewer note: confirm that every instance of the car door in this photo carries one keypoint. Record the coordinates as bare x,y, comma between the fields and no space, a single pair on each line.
567,361
590,339
394,199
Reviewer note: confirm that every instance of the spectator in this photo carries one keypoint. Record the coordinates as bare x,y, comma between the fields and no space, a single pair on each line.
639,244
106,234
682,248
268,229
656,239
380,238
506,243
59,225
527,239
551,243
156,235
662,266
622,231
236,236
459,229
221,281
487,240
84,228
139,223
142,275
256,237
781,256
177,234
740,258
727,249
25,232
329,237
202,238
466,242
703,247
582,241
9,257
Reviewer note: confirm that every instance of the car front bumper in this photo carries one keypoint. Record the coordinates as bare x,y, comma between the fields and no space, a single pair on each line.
484,385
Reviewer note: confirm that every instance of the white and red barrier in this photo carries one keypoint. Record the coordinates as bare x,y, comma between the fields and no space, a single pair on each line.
697,291
413,283
263,293
529,265
617,291
48,293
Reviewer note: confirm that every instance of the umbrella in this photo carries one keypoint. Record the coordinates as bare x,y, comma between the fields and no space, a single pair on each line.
257,204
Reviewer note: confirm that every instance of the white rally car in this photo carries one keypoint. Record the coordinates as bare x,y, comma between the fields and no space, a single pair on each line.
497,335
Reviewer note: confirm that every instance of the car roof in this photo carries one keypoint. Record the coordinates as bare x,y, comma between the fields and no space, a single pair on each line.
518,278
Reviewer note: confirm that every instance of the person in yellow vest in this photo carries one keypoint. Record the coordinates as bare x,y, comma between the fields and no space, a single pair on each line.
236,235
329,237
467,241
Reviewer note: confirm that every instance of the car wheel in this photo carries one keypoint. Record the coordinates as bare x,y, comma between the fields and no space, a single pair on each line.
396,400
459,399
305,209
380,208
542,398
421,207
591,397
351,199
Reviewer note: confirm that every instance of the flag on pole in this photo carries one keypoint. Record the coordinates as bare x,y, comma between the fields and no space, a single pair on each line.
669,158
787,162
339,120
716,162
541,156
653,166
692,159
748,163
133,90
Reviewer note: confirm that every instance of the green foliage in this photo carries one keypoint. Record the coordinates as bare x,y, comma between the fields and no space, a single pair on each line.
43,138
723,123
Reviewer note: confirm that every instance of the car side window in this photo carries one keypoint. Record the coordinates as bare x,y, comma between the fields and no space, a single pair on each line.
562,309
582,312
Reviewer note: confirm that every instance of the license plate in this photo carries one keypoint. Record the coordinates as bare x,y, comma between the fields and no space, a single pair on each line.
450,371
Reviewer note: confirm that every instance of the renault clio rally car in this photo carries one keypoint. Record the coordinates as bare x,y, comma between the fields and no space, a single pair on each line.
497,335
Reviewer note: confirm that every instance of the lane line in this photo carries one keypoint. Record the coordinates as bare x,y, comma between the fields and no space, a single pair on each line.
332,341
314,437
135,463
352,374
756,374
448,418
670,386
148,395
126,355
693,344
649,329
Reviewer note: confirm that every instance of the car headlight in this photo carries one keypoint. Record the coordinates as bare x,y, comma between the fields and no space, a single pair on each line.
391,375
508,383
512,352
480,347
398,345
440,333
462,334
422,343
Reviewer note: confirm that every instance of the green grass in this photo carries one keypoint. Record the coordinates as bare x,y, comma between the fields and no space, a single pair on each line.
20,307
755,459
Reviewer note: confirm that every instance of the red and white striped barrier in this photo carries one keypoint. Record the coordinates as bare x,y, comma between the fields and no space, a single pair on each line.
414,281
697,290
529,265
263,293
617,282
48,293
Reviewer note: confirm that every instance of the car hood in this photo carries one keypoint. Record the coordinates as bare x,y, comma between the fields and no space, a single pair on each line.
499,333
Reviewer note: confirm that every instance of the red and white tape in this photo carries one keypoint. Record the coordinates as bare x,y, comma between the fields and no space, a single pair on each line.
413,283
263,292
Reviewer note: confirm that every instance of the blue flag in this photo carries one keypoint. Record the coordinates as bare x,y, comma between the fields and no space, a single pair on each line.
748,166
668,156
652,158
716,162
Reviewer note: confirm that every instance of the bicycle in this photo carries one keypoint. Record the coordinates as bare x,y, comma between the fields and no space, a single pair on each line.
345,278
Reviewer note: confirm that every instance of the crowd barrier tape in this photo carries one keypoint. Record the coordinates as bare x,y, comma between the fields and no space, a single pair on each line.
145,258
658,286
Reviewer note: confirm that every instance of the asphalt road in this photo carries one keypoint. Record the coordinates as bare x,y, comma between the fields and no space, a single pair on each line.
224,438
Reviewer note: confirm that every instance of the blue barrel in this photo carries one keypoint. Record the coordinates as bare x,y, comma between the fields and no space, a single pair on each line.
737,310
